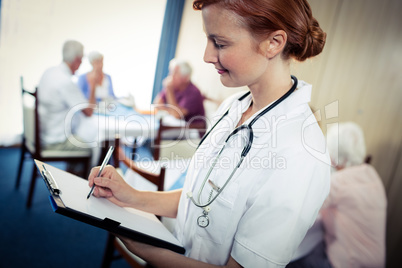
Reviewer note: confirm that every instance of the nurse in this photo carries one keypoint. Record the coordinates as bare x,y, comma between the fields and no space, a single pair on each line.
257,180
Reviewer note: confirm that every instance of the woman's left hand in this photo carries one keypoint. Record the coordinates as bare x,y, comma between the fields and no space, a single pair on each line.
160,257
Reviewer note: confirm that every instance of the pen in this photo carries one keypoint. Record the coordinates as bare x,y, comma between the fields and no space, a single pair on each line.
104,163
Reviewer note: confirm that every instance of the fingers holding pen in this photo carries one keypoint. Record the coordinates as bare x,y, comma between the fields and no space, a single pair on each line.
102,187
110,185
102,180
94,173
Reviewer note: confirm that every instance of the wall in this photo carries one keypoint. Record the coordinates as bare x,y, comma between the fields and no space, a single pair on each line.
127,32
356,78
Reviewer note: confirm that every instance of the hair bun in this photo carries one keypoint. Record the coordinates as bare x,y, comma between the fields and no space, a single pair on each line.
305,38
314,41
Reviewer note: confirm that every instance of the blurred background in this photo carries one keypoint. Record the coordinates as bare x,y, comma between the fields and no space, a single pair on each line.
356,78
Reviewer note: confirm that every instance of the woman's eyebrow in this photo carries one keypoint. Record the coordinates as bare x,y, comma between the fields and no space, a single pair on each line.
213,36
218,37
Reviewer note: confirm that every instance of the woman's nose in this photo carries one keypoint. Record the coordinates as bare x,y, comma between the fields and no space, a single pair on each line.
210,54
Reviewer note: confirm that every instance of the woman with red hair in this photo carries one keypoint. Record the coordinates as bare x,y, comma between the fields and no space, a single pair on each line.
256,182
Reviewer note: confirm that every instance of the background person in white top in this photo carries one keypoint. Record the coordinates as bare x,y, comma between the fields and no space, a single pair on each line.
268,204
57,95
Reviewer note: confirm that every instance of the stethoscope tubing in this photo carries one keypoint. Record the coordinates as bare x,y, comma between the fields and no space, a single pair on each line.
245,151
266,110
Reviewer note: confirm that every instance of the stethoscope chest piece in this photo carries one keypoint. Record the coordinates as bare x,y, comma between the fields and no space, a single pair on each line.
203,220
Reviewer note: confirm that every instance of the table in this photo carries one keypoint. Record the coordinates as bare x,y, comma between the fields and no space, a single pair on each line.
124,121
118,119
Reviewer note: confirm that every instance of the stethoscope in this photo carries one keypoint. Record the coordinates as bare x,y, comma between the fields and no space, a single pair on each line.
203,220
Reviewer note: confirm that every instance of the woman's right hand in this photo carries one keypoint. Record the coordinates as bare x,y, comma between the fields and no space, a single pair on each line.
168,83
112,186
94,79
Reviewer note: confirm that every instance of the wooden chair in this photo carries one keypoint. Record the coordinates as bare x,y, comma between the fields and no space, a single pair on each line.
177,141
368,159
31,143
114,244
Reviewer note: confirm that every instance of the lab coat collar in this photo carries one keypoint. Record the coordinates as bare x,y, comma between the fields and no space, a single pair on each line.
284,111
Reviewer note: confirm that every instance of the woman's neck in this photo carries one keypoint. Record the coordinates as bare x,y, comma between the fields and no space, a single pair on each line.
96,71
261,97
273,85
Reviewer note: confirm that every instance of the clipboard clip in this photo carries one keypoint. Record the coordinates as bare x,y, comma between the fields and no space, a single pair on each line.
50,182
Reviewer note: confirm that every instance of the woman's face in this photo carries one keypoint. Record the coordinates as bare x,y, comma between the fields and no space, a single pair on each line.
232,49
97,64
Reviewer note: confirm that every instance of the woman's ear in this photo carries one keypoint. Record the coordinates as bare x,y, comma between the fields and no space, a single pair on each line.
274,44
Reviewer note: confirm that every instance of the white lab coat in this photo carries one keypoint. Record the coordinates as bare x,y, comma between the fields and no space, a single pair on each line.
263,214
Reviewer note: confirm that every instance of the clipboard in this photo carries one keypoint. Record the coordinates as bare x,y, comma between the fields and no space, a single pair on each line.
68,197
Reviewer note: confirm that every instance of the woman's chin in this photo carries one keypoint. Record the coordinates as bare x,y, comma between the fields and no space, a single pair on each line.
228,82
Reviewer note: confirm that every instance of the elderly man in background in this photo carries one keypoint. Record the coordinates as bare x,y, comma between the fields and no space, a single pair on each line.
180,97
58,96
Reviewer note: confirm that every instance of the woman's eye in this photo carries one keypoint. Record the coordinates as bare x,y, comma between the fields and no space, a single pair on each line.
219,46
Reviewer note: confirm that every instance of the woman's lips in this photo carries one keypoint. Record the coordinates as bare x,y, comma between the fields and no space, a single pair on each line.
221,71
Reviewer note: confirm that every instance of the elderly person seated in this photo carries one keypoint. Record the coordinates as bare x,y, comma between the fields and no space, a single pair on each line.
179,96
353,216
58,97
96,80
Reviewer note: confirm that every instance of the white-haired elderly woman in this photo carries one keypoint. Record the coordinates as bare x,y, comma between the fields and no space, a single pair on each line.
354,214
96,80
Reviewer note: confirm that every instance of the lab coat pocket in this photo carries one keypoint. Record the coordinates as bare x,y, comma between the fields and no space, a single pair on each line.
222,222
